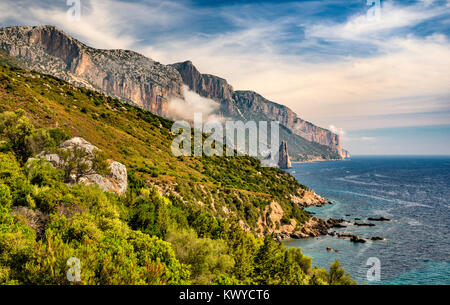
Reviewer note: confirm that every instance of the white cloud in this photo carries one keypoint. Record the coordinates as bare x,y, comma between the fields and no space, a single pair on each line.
336,130
360,27
102,24
193,103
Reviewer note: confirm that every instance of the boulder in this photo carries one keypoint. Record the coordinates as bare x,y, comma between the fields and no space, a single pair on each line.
362,224
357,239
115,182
336,223
378,219
376,238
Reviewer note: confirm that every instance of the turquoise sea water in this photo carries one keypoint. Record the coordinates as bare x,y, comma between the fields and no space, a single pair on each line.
412,191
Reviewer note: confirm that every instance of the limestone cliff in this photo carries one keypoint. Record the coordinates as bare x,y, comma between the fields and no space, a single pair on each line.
249,105
209,86
124,74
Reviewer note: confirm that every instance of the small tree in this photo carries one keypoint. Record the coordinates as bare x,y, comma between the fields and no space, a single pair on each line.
77,162
16,127
338,276
23,138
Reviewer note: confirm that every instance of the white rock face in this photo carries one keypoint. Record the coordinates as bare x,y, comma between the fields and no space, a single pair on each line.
115,182
80,142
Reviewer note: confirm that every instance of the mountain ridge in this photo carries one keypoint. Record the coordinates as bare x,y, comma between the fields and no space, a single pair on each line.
142,81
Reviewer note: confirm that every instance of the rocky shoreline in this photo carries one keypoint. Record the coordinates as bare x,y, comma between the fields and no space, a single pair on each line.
316,227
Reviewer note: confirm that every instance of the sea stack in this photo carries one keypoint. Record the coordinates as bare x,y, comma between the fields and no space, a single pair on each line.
284,160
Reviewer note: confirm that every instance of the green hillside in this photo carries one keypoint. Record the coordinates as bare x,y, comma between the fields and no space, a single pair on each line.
183,220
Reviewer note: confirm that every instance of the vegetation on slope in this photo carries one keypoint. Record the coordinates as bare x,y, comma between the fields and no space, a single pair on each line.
188,234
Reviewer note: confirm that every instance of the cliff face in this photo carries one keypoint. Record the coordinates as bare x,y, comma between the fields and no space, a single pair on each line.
119,73
249,105
253,102
209,86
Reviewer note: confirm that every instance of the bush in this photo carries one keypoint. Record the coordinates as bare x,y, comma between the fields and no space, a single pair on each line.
5,196
208,258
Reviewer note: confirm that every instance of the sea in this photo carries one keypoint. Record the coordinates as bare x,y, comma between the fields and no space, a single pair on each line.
413,192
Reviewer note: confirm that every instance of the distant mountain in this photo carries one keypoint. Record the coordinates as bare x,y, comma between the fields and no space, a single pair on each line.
141,81
249,105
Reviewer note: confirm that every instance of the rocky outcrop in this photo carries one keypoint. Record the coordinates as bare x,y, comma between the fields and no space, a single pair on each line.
119,73
307,198
283,157
378,219
115,182
345,154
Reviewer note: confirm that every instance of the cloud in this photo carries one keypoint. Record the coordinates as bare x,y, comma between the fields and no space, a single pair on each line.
102,24
193,103
360,27
338,131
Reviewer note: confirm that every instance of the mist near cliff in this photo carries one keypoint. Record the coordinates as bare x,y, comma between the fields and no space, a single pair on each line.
180,109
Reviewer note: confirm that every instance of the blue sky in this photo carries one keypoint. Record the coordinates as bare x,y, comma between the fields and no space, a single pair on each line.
382,83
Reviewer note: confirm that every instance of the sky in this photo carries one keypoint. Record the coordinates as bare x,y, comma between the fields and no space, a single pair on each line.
376,74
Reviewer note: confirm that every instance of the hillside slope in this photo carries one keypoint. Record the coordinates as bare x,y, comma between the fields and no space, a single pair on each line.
181,221
225,187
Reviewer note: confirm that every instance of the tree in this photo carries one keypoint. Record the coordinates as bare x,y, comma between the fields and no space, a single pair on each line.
77,162
337,275
16,127
23,138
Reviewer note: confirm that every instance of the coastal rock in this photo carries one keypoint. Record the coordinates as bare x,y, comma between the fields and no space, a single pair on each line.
283,156
308,198
330,249
314,227
378,219
357,239
376,238
361,224
336,223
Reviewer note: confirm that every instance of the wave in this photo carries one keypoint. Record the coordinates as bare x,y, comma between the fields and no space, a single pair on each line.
351,180
399,201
